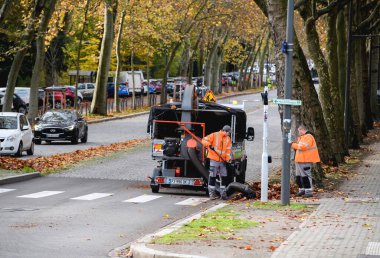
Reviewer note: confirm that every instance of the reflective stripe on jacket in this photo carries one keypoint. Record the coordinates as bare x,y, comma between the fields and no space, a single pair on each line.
221,143
306,149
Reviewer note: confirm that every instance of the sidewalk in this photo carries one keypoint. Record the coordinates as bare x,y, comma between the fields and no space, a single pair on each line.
343,226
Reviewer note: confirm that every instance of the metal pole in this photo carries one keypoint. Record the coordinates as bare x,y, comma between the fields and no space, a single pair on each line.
348,78
264,156
285,177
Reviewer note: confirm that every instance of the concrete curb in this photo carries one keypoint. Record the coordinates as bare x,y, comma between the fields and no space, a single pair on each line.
117,117
19,178
140,250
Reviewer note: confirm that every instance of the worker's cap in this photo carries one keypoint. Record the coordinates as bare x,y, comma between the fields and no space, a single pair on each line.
226,128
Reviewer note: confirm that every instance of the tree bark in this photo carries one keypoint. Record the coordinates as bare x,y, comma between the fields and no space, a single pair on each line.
118,61
99,101
40,57
4,8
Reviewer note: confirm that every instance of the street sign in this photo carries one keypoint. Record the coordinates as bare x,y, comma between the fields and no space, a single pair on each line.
209,96
292,102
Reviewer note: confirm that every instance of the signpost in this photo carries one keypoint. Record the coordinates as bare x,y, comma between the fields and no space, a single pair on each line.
291,102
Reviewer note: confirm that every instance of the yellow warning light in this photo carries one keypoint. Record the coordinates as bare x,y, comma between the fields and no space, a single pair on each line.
234,102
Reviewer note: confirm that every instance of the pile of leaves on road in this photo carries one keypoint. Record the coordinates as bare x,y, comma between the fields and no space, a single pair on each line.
60,161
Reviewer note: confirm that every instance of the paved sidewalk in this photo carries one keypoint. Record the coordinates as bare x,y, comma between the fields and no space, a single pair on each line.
344,226
347,226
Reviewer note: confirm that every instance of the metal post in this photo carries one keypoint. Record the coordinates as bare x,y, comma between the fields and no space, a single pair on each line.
285,177
264,156
348,78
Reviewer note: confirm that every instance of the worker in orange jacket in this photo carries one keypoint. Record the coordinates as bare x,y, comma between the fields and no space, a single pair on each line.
306,154
219,145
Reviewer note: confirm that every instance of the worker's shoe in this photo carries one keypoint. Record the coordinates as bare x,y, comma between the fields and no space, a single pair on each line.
300,193
223,195
213,195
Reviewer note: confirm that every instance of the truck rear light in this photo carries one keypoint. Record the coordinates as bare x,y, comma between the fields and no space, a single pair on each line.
178,171
198,182
160,180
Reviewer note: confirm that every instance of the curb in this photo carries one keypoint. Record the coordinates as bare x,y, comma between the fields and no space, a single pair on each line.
19,178
140,250
117,117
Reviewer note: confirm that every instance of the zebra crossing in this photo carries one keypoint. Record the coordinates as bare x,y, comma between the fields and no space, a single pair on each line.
144,198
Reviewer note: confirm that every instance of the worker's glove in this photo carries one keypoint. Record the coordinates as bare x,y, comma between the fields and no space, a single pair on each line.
211,147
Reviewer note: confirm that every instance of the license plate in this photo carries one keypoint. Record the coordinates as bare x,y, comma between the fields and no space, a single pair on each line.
52,135
179,181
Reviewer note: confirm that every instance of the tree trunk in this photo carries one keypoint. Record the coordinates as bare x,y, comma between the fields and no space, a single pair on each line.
4,8
40,57
99,101
118,61
26,40
328,94
78,54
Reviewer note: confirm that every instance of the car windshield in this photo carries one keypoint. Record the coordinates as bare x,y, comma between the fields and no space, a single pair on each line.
8,122
53,116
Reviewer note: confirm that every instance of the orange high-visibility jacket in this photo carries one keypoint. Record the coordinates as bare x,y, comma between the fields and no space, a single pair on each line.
222,145
307,150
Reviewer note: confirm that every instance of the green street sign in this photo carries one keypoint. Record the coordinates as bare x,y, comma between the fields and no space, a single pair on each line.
292,102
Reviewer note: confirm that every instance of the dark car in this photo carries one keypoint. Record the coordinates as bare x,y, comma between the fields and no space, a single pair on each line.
61,125
18,104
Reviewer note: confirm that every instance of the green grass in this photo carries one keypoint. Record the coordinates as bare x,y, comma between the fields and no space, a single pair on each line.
213,225
278,206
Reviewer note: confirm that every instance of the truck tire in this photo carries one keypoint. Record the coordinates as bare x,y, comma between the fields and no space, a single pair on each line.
155,187
243,167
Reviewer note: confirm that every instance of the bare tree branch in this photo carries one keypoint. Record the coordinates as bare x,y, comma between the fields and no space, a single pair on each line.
370,18
4,8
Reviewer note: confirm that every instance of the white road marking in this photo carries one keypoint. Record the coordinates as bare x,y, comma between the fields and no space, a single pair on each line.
192,201
373,248
4,190
90,197
40,194
143,198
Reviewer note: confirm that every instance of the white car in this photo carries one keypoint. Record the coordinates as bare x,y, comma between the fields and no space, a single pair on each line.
16,134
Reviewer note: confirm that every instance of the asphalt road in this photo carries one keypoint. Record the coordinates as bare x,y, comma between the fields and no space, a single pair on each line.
39,218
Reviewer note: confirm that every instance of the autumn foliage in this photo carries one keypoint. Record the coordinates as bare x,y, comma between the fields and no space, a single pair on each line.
60,161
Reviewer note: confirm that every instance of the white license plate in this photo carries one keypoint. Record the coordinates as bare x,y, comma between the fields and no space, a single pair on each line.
52,135
179,181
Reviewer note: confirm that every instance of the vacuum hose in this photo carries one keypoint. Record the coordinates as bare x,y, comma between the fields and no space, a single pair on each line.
199,166
242,188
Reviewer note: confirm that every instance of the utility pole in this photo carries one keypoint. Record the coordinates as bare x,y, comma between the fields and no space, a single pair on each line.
287,49
265,158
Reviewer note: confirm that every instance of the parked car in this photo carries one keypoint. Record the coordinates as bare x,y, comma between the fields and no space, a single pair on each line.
16,134
18,104
61,125
87,90
123,90
152,89
59,92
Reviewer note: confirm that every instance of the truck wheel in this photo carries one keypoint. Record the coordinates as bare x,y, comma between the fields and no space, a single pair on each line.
155,187
243,167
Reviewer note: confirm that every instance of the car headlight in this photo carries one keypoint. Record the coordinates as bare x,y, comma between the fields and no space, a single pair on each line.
70,128
12,138
37,128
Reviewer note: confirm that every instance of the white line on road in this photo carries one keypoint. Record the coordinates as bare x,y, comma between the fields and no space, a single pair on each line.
4,190
143,198
192,201
90,197
40,194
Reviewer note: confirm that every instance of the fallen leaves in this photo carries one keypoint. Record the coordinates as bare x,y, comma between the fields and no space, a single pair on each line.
60,161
